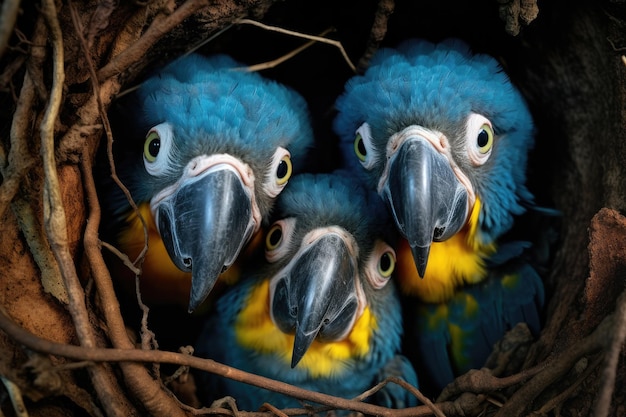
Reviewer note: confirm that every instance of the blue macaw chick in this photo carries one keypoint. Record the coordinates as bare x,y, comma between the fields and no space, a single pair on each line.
205,149
322,312
442,135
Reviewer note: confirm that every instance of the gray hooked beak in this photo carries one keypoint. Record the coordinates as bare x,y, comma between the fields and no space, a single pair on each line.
318,297
204,224
428,201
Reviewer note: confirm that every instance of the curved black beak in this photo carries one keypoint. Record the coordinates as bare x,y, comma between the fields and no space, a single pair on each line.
204,224
318,297
428,201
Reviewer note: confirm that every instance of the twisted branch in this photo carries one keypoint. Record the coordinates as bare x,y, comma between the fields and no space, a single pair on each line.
54,216
80,353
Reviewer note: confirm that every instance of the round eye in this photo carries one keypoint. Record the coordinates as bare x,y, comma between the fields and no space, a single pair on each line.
381,264
359,147
274,237
386,264
157,149
363,146
278,172
479,139
484,140
152,146
284,170
277,239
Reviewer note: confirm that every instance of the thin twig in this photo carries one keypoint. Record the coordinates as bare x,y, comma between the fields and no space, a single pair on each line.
38,344
122,256
280,60
209,39
333,42
148,338
398,381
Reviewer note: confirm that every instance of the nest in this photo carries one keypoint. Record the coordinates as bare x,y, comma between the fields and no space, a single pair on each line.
65,345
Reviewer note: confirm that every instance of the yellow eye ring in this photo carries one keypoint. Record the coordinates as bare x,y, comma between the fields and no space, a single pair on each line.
151,146
386,264
359,147
274,237
484,139
284,170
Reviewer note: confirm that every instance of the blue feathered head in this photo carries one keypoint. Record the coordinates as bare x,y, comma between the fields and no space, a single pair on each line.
209,146
468,110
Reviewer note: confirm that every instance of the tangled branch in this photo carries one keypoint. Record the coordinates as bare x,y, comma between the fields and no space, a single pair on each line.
542,376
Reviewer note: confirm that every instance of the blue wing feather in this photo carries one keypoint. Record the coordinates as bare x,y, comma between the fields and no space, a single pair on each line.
454,337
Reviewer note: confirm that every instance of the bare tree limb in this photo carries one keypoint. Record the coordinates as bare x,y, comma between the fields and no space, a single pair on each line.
38,344
54,214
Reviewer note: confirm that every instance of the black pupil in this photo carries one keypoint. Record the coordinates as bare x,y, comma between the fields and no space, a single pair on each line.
275,237
385,262
483,138
154,146
282,169
361,147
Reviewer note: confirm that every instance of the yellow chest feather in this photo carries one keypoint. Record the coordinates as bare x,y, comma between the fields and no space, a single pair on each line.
452,263
254,329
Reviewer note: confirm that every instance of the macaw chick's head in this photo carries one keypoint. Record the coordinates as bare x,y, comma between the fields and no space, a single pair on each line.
331,247
434,129
215,146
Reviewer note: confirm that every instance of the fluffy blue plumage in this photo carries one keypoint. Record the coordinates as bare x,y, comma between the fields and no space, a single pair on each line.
438,86
314,205
204,147
215,106
443,136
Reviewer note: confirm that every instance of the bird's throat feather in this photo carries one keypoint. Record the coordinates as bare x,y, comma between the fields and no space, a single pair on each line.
255,330
452,263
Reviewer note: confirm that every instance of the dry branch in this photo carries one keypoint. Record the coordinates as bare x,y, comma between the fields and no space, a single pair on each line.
156,356
54,216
